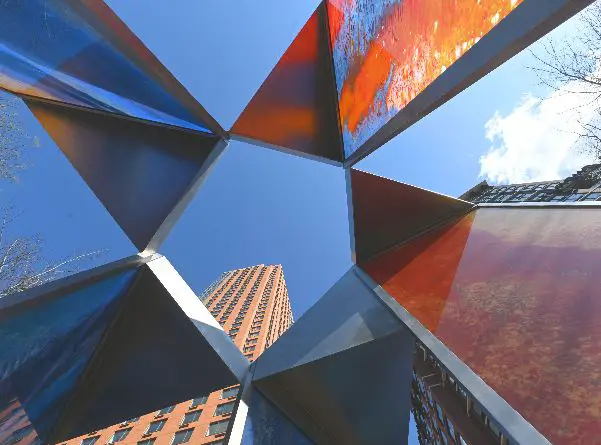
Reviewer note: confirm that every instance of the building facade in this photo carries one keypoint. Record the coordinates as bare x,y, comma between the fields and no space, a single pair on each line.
253,307
585,185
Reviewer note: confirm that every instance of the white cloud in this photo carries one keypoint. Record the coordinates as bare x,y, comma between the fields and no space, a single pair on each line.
536,141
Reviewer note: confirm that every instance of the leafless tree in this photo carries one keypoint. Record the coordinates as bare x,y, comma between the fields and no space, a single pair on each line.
22,264
573,66
13,140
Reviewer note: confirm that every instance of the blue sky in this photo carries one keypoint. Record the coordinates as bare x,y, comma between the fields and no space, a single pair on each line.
262,206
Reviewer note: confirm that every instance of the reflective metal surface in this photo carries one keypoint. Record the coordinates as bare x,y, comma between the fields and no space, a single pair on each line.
386,213
342,371
139,172
397,61
295,108
512,292
72,354
80,53
46,345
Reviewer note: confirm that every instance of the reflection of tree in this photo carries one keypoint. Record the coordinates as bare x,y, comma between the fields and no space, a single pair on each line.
22,264
12,141
573,67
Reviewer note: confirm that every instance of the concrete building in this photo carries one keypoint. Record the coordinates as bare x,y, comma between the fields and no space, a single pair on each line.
585,185
252,306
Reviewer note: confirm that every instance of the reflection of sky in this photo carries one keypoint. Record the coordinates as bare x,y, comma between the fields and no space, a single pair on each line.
58,42
28,332
20,73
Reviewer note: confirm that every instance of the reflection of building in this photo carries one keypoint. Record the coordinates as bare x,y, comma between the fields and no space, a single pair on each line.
252,306
585,185
443,412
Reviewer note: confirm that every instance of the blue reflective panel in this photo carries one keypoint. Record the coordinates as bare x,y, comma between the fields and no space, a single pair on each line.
266,425
81,53
44,347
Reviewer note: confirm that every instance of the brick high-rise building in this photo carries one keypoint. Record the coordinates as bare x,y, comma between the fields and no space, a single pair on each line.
252,306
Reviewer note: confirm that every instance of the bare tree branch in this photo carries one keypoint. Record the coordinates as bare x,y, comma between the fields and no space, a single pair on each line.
13,141
573,66
22,265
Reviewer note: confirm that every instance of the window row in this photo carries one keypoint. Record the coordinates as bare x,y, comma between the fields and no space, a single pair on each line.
183,436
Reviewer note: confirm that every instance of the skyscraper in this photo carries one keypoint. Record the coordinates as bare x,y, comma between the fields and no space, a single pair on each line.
252,306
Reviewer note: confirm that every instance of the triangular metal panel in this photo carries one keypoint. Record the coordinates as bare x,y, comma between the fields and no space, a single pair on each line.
420,273
400,60
348,315
295,108
143,174
48,336
257,421
163,348
358,396
508,288
80,53
385,213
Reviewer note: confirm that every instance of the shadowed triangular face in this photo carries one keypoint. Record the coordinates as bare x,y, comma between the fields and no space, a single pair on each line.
385,213
347,359
106,345
143,174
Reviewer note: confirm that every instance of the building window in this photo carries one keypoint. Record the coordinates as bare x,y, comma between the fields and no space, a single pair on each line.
249,349
218,427
224,408
191,417
451,427
182,436
90,440
219,442
147,441
198,401
166,410
155,426
18,435
230,392
592,196
120,435
574,197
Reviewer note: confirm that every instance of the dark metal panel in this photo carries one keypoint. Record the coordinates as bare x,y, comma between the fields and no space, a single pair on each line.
163,348
358,396
386,212
257,421
142,174
346,316
295,108
46,343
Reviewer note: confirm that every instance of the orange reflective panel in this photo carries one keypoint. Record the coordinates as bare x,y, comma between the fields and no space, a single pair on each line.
516,295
